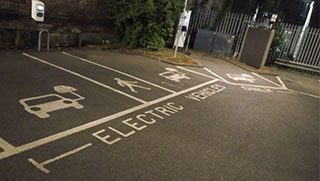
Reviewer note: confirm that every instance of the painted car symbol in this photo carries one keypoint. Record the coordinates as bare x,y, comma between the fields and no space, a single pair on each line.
56,102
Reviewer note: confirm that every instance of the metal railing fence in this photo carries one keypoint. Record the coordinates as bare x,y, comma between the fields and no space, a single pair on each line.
235,24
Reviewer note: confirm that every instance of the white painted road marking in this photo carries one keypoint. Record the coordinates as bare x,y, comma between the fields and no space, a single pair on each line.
306,94
205,93
221,78
195,72
60,102
266,79
94,123
268,87
120,72
260,86
286,92
173,74
241,77
41,165
231,83
84,77
138,122
57,136
282,84
7,147
257,89
130,85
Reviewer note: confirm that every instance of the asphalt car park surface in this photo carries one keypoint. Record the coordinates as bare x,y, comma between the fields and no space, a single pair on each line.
100,115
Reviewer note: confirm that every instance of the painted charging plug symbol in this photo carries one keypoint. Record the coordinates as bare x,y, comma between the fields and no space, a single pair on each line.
241,77
173,74
57,102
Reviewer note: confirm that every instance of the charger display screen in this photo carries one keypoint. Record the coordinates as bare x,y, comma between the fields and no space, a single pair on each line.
40,7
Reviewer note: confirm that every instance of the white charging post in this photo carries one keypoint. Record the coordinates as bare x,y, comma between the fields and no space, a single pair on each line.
37,10
182,29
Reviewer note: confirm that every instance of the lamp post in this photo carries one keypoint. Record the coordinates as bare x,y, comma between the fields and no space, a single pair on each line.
306,24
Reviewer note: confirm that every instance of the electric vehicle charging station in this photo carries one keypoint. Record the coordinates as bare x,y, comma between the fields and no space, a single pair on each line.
37,14
182,29
37,10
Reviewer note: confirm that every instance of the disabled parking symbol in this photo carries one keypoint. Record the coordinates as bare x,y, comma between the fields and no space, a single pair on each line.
57,102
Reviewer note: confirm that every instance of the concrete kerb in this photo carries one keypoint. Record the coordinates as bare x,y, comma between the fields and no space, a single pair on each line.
175,63
135,52
159,59
251,69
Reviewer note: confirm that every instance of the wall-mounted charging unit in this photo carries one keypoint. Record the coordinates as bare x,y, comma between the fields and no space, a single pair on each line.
37,10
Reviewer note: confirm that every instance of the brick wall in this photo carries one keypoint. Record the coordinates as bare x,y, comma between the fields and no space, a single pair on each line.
15,8
64,18
85,11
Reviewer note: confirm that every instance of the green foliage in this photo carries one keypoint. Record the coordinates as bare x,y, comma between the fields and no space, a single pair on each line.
279,40
227,5
145,23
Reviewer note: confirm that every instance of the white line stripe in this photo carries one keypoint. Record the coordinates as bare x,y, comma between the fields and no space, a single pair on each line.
307,94
286,92
260,86
86,126
66,154
84,77
40,166
196,72
281,82
231,83
279,87
221,78
7,147
120,72
266,79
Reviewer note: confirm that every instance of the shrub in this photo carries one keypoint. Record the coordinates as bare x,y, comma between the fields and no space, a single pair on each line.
145,23
279,40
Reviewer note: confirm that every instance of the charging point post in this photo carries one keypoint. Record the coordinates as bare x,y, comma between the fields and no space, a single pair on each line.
182,29
37,14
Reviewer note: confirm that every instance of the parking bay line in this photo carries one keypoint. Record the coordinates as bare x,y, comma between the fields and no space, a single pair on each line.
226,81
304,93
41,165
7,147
231,83
84,77
266,79
283,87
281,82
195,72
118,71
94,123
